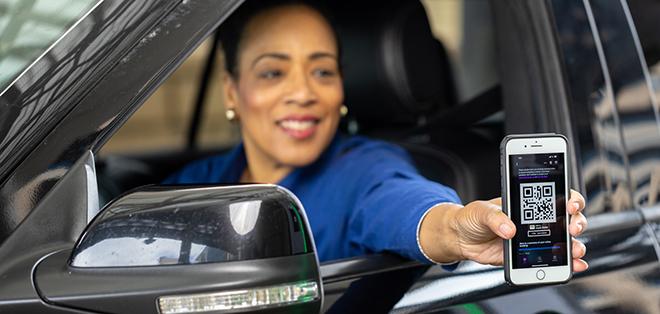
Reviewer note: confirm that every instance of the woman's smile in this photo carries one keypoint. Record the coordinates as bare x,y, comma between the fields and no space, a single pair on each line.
299,127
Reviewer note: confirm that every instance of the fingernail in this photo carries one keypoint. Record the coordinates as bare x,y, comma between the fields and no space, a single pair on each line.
579,226
576,206
505,229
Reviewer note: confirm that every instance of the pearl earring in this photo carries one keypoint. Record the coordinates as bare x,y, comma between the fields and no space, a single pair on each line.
343,110
230,114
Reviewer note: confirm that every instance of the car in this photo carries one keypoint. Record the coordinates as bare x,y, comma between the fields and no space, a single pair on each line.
71,81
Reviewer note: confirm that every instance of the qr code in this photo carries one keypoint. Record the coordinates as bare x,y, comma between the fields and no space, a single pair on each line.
537,202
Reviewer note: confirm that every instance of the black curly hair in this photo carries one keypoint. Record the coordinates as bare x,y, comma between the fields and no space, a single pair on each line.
231,31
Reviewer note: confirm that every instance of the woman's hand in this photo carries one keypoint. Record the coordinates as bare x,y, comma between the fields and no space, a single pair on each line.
475,232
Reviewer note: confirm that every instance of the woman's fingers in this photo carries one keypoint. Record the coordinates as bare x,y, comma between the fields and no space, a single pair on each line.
497,201
576,203
500,223
497,221
579,265
579,249
578,224
575,206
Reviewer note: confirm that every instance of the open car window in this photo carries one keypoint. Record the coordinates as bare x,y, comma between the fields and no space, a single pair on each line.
158,134
154,141
466,30
163,122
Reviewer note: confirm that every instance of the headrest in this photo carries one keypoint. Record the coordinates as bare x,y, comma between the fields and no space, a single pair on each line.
395,71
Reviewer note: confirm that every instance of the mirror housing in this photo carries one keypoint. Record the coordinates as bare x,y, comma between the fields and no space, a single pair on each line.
189,249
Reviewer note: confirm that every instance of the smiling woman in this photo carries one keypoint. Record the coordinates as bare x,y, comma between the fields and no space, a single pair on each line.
284,87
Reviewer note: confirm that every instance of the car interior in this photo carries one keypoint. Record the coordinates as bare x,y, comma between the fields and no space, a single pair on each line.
400,85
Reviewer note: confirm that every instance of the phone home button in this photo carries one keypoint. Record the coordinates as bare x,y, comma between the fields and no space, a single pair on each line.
540,275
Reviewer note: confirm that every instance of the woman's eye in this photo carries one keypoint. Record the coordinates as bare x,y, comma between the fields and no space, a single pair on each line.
270,74
324,73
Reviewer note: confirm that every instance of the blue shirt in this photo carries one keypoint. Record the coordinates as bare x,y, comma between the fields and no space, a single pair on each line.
361,196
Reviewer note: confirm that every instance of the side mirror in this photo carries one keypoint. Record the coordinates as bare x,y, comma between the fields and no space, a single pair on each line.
174,249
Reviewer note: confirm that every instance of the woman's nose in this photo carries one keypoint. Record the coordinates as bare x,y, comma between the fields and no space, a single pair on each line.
301,92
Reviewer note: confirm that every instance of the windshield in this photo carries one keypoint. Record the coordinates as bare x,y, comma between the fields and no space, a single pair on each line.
29,27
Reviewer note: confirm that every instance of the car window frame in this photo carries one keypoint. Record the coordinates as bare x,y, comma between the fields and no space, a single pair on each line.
45,91
51,45
150,53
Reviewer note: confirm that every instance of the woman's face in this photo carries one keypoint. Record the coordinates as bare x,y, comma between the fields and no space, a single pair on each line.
288,92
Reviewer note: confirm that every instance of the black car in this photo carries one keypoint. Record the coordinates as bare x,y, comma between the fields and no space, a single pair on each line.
579,68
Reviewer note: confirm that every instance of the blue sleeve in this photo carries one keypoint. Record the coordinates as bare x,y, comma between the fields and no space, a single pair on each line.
394,199
198,172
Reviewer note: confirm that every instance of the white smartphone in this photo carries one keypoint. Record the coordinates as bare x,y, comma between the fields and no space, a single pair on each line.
535,192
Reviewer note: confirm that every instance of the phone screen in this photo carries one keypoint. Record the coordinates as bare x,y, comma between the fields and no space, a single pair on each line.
538,208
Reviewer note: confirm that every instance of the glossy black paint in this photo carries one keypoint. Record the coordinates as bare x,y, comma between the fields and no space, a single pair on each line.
164,33
136,289
53,226
41,98
636,107
170,225
616,242
609,251
37,277
593,118
534,92
179,240
350,268
535,96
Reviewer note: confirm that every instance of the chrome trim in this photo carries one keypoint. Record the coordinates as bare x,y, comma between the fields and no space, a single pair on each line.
93,206
608,88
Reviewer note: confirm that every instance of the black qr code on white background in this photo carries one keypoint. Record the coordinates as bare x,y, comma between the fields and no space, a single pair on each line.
537,203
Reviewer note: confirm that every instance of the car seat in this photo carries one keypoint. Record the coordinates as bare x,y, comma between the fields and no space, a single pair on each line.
399,86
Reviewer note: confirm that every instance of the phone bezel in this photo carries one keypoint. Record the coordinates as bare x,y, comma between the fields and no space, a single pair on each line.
529,145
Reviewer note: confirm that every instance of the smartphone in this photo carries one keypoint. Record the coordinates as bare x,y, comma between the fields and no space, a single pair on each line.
535,192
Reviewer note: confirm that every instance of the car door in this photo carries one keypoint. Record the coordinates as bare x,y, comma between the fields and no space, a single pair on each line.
61,109
634,108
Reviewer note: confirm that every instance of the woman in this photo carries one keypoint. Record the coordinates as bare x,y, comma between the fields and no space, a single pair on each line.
283,86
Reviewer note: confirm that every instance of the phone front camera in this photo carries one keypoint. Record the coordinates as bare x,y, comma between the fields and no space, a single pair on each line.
525,146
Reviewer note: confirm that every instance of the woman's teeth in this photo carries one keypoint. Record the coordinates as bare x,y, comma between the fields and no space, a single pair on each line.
297,125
